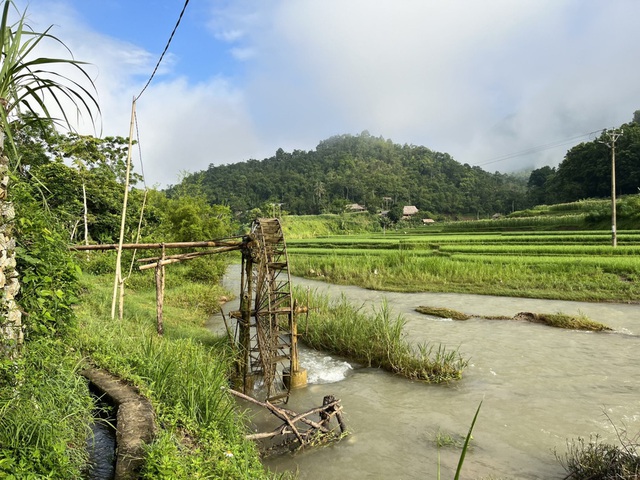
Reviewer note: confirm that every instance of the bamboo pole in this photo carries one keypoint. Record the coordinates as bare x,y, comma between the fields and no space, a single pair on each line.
84,214
118,274
237,245
329,409
273,409
185,256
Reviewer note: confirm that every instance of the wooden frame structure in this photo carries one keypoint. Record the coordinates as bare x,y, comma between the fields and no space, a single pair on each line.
266,325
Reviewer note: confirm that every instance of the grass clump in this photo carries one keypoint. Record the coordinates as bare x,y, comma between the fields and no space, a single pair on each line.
444,439
375,340
562,320
442,312
44,414
595,459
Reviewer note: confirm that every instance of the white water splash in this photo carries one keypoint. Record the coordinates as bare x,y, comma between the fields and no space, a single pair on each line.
322,368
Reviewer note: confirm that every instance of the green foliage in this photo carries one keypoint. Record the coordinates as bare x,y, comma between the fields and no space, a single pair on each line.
48,273
585,171
205,269
25,81
360,169
186,216
44,417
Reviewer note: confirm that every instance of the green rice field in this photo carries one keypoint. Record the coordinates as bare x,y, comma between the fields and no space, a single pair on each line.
569,265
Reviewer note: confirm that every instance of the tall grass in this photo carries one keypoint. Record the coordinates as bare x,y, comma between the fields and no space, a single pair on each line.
375,340
44,417
593,459
184,374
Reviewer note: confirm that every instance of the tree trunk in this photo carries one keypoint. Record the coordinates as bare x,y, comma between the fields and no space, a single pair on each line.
10,315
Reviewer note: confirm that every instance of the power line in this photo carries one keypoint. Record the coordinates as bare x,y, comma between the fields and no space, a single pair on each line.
164,51
536,149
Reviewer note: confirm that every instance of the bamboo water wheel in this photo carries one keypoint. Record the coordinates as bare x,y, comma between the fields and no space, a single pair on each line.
267,332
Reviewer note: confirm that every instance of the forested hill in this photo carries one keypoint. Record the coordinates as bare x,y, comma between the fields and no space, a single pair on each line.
370,171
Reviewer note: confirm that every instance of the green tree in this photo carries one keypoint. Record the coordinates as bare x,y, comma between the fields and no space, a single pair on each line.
539,185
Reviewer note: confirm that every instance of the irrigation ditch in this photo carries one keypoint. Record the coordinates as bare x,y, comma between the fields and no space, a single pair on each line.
135,420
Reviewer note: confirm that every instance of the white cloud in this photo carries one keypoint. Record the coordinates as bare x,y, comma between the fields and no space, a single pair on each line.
478,80
186,127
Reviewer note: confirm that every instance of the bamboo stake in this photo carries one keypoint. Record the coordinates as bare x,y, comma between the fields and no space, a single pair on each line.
160,295
226,326
84,215
118,274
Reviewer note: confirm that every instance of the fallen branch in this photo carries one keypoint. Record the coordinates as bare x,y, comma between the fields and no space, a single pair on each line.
330,408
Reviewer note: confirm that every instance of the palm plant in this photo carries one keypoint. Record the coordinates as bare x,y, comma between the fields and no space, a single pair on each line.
30,90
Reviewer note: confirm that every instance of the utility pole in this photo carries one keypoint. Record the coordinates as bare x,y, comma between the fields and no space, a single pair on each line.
613,137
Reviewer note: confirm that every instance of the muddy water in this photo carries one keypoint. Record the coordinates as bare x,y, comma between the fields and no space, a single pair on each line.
539,385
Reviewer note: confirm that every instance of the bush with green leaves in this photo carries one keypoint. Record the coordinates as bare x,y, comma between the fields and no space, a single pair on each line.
48,271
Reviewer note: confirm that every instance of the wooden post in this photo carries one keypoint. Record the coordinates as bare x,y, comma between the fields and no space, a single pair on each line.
329,402
297,376
159,274
245,329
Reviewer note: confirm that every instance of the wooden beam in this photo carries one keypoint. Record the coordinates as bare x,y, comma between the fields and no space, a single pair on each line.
233,245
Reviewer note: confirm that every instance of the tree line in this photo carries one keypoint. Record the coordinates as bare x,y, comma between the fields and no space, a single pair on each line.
586,169
363,169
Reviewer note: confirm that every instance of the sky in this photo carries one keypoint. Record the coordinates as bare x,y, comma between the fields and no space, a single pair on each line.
506,85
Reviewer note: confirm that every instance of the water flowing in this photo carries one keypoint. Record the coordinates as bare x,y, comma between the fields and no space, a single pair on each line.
540,387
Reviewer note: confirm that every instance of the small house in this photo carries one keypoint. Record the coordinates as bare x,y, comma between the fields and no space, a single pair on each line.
355,207
408,211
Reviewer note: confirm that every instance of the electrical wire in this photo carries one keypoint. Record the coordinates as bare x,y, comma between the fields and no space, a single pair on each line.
164,51
536,149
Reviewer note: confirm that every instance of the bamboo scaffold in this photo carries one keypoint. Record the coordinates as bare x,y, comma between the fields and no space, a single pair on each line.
266,327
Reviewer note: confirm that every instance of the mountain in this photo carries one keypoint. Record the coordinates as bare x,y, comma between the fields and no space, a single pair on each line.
362,169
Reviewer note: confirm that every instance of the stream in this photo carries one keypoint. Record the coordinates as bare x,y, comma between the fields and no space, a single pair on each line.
540,387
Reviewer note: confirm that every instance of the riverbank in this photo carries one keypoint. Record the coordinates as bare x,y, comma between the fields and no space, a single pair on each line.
45,415
200,430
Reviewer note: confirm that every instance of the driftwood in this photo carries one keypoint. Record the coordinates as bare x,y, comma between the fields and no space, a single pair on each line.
304,434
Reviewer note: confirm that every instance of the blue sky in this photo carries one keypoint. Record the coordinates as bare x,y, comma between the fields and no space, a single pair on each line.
480,80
